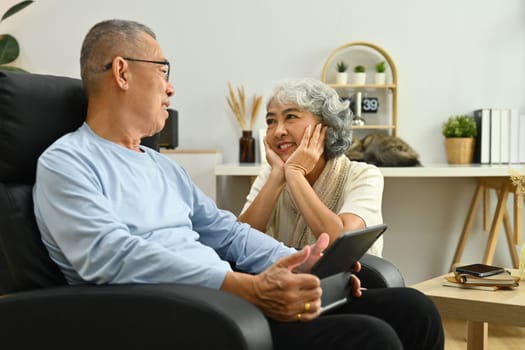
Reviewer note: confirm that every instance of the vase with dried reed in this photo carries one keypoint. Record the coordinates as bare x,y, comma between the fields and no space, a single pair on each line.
246,147
237,104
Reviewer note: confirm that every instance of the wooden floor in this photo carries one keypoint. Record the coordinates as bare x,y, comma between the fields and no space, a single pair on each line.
501,337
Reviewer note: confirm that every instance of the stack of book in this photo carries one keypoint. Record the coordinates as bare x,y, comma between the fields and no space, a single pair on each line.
501,136
502,280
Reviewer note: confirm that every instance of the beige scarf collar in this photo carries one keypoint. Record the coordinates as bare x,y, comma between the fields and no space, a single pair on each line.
329,187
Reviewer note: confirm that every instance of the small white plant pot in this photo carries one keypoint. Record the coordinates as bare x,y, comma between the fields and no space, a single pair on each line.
359,78
341,78
380,78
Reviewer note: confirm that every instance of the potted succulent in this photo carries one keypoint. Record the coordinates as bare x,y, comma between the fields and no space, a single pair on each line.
359,76
9,48
341,77
380,76
460,132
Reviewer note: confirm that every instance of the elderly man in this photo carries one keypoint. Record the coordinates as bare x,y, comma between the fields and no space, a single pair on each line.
111,211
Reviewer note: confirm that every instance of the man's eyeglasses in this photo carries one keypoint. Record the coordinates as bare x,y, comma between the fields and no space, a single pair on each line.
165,63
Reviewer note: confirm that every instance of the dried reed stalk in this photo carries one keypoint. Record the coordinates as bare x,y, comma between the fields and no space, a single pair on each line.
242,99
237,105
255,109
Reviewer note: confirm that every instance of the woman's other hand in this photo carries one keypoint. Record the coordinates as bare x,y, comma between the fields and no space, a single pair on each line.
311,148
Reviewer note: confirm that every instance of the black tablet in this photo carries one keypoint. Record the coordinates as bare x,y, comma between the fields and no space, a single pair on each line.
336,291
346,250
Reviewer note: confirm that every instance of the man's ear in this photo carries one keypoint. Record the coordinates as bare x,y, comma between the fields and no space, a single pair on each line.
120,71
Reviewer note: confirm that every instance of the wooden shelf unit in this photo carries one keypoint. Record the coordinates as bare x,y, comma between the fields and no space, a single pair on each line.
345,51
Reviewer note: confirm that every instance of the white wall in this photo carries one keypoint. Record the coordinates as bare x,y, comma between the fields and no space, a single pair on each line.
452,57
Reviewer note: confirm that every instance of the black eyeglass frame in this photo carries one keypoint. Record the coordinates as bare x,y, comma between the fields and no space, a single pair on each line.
165,63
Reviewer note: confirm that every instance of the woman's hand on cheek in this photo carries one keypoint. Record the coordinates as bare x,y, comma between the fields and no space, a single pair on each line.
316,142
309,151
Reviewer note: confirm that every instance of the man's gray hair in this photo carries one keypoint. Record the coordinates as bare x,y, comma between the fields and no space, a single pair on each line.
106,40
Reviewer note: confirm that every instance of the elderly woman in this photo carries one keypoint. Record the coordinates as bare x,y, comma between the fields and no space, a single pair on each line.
309,186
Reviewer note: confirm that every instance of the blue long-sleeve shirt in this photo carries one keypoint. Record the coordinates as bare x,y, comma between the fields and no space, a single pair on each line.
111,215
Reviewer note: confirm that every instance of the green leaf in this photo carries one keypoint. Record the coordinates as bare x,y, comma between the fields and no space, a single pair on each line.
12,69
341,67
9,49
459,126
15,8
381,67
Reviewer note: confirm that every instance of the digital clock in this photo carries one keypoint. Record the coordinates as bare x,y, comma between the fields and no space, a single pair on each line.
369,104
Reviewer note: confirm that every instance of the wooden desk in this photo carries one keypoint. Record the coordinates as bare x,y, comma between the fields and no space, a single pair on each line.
503,186
430,170
478,307
489,177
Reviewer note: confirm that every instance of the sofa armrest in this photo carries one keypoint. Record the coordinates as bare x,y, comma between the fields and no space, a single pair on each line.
378,272
131,317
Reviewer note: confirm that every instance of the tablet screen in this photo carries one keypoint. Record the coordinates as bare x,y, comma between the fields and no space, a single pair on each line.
346,250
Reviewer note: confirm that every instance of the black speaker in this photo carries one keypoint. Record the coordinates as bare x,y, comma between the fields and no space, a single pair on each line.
151,141
169,135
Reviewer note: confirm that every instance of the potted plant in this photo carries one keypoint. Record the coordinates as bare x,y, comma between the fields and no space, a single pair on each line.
9,48
460,132
359,76
380,76
341,77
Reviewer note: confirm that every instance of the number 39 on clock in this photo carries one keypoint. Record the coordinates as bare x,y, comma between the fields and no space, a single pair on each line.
370,104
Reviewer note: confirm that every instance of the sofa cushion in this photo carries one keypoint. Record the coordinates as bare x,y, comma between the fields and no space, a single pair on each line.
24,261
35,110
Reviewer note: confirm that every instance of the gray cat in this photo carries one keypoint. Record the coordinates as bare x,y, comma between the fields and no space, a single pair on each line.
383,151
